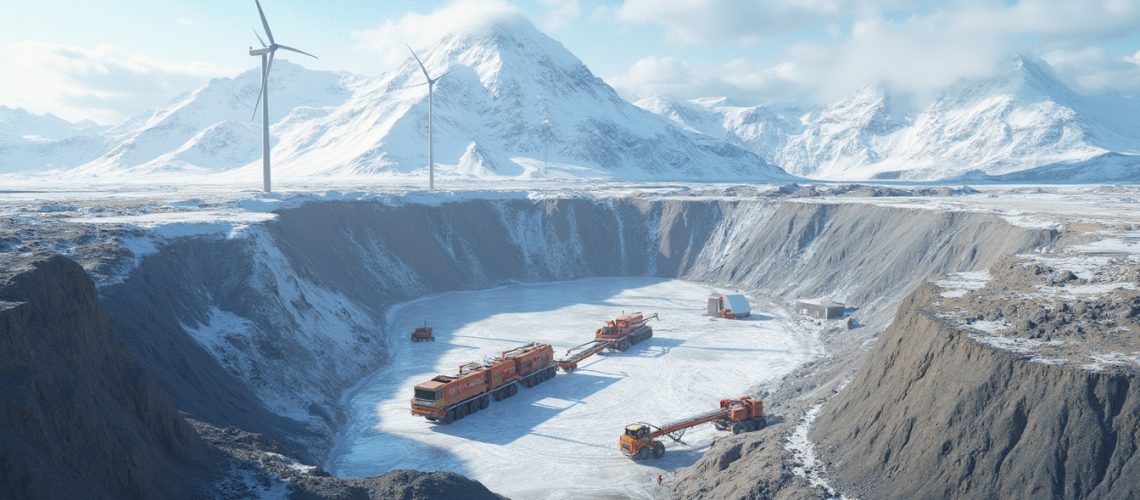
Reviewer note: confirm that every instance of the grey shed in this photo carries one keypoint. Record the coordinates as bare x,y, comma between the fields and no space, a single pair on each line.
820,308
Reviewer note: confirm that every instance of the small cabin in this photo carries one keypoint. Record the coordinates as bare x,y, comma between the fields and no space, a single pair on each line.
820,308
731,306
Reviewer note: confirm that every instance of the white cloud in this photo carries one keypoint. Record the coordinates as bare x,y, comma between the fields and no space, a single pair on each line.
562,12
859,43
742,21
420,30
104,83
1094,70
672,77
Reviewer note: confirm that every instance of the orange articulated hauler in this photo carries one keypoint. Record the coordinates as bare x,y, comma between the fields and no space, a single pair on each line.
616,335
447,398
737,415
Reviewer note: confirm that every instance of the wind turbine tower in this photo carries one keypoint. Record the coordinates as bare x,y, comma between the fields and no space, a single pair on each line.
431,87
266,52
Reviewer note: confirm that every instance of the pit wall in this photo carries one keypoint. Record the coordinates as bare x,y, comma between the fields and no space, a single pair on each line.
914,423
265,331
79,418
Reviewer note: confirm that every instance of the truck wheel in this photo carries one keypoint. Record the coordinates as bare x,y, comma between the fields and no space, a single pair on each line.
448,416
484,402
460,412
623,345
658,449
643,453
737,428
514,389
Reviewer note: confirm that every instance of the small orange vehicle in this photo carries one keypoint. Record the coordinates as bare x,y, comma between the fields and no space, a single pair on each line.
423,334
743,414
447,398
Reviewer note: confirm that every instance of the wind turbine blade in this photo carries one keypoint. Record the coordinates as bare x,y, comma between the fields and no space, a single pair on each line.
421,63
296,50
269,65
259,38
264,23
257,104
444,74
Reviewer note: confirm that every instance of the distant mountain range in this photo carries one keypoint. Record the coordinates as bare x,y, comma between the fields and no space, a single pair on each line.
1023,120
517,104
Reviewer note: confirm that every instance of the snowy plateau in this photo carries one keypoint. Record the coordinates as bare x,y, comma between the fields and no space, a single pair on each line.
517,104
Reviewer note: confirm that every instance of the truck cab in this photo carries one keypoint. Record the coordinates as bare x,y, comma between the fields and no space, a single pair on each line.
637,431
637,442
429,394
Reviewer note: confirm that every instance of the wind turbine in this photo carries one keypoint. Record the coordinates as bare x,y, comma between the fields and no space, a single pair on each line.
431,86
266,52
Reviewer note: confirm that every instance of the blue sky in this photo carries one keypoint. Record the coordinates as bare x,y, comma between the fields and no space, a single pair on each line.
111,59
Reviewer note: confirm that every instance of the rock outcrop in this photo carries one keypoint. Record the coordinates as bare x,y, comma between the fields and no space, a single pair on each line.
79,418
936,414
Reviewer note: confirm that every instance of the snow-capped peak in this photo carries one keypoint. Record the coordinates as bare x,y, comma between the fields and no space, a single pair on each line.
18,125
1021,118
524,100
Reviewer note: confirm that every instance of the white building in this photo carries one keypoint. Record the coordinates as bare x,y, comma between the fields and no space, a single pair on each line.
820,308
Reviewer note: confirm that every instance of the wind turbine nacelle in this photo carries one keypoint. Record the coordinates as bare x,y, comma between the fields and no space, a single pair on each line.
258,52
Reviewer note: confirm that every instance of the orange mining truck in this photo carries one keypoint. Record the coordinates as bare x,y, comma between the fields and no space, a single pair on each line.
422,334
616,335
447,398
737,415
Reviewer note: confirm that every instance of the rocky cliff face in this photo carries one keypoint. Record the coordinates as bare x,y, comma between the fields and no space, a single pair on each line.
79,417
1021,381
935,414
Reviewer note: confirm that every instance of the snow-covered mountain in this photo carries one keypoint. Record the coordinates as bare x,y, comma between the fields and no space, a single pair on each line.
30,142
514,103
845,136
1024,118
762,129
213,128
18,126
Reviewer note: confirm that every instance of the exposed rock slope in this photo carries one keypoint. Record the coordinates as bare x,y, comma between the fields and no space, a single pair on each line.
79,417
939,411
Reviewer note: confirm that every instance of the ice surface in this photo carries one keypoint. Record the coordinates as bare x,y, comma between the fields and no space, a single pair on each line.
559,439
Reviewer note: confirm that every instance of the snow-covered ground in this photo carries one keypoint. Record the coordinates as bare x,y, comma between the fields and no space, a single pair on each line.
559,439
